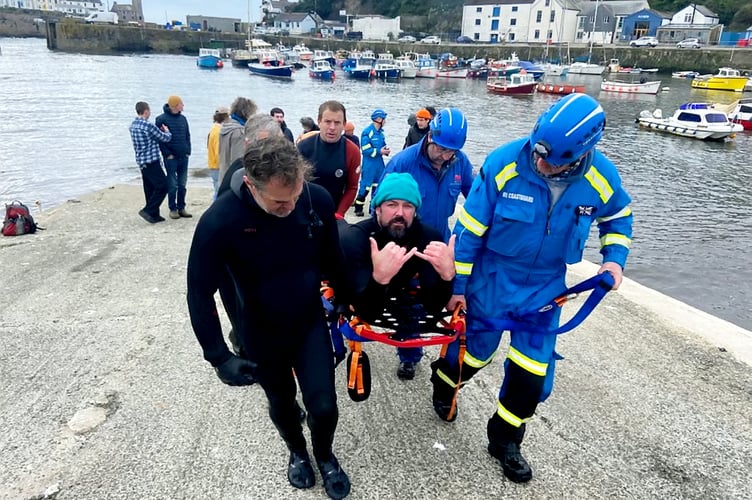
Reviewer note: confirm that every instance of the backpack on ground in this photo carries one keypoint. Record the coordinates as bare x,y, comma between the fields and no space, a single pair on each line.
18,220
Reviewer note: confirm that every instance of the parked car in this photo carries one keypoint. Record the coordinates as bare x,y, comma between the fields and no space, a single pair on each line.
406,39
431,39
644,41
354,35
689,43
465,39
102,17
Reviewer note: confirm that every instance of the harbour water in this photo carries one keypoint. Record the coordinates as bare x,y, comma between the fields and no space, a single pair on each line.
65,133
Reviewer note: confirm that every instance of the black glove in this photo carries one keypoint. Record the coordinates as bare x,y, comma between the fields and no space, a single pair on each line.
337,311
237,371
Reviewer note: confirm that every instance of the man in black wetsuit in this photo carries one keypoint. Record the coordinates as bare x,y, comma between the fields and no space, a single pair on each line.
276,235
398,265
335,160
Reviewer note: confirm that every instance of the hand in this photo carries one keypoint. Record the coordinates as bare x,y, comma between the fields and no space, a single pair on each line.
441,256
385,151
237,371
388,261
615,270
165,128
454,300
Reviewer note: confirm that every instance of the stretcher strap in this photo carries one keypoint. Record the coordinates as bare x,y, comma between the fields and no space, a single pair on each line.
360,331
356,372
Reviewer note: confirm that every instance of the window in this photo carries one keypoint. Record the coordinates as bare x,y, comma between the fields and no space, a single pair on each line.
550,35
553,16
477,22
494,24
514,8
496,12
512,22
511,37
548,2
579,35
476,36
538,16
536,35
479,9
606,19
688,18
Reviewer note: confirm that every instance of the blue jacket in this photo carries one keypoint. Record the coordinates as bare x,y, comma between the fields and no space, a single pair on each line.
371,142
180,144
509,234
439,189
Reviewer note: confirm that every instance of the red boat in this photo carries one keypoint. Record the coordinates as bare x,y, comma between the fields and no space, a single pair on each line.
560,88
521,83
742,113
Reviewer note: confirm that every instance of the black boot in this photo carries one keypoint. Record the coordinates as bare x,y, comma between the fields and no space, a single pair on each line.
504,442
299,470
360,203
336,482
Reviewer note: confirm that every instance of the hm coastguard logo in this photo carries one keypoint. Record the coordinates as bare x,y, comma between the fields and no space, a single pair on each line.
518,196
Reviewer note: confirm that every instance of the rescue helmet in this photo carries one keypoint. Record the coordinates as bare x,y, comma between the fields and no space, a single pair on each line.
449,129
571,127
378,113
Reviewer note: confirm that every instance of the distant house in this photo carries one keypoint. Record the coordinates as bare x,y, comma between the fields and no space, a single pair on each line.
693,21
377,27
298,23
129,13
76,8
274,7
218,24
644,23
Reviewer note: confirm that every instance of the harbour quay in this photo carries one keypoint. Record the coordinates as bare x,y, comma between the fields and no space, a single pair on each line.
70,36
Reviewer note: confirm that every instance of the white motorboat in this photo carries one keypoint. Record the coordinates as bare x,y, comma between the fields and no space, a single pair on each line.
696,120
631,88
584,68
407,66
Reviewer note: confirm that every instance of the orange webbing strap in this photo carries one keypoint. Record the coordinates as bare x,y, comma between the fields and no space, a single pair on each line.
458,322
356,370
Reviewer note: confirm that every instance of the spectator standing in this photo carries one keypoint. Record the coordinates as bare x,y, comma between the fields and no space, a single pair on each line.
146,138
212,146
309,128
419,129
279,116
231,146
350,134
176,152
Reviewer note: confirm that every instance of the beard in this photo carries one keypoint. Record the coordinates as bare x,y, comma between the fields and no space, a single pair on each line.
397,228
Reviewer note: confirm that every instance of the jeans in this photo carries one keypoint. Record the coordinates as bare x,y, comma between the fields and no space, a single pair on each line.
155,187
214,173
177,178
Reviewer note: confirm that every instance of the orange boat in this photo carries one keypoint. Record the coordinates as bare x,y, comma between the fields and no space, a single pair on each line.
560,88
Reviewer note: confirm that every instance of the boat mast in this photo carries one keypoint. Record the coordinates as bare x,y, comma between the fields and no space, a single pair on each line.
592,32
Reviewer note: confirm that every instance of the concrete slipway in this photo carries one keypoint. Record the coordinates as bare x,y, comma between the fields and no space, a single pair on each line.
105,394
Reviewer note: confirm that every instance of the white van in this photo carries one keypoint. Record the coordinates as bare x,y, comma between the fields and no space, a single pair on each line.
102,17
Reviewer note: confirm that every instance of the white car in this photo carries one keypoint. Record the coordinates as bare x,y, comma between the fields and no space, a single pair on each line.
644,41
433,39
406,39
689,43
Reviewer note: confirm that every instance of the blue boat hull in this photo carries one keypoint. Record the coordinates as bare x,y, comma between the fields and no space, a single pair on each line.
271,71
209,62
368,74
321,75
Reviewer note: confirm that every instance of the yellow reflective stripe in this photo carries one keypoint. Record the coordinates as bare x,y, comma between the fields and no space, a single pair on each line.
463,268
600,184
471,224
624,212
615,239
367,146
471,360
526,363
443,376
508,172
509,417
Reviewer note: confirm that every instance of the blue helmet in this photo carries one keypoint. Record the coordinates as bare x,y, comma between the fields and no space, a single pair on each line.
378,113
449,128
571,127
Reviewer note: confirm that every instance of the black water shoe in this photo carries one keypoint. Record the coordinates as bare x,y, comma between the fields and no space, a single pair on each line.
513,463
336,482
299,470
406,370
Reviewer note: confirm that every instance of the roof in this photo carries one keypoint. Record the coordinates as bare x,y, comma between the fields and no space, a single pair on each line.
492,3
705,11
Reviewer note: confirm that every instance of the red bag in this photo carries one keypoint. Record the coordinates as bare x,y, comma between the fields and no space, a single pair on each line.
18,220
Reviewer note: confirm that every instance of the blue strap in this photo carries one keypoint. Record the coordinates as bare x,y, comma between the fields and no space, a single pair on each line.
338,344
600,285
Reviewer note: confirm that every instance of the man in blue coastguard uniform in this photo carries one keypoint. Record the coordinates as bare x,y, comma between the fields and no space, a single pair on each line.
528,215
440,168
374,149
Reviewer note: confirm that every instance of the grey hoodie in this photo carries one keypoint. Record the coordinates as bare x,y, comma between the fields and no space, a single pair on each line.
231,145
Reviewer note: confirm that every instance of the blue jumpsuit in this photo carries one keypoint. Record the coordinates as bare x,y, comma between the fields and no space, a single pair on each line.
439,189
511,253
371,141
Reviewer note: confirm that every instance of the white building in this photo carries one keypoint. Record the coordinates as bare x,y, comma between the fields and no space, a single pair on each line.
377,27
78,8
298,23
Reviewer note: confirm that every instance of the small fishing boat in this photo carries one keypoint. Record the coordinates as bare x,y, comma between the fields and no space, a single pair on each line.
522,83
684,74
738,112
725,79
559,88
407,67
240,58
209,58
695,120
641,87
321,70
271,69
586,68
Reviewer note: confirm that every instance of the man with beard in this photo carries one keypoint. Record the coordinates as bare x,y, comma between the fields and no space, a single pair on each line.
397,265
276,236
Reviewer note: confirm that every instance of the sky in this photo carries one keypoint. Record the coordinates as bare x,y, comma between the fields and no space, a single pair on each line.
160,11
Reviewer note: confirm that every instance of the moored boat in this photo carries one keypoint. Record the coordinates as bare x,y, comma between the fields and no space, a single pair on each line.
585,68
270,70
631,88
726,79
742,113
407,67
240,58
321,70
684,74
695,120
209,58
559,88
521,83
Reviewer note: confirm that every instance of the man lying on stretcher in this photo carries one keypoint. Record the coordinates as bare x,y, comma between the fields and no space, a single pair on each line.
399,270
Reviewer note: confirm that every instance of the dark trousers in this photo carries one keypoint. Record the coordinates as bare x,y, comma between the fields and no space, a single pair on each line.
177,179
155,186
310,355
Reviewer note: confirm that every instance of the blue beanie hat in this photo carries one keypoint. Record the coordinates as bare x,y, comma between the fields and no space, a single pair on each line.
398,186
